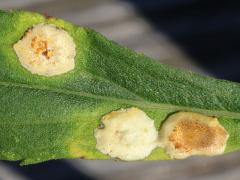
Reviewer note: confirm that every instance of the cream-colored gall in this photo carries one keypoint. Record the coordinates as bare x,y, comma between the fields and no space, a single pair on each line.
186,134
46,50
127,134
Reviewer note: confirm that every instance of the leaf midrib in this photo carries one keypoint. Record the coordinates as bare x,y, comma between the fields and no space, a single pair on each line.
147,104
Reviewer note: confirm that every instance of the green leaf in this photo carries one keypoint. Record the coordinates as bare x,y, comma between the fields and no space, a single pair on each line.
44,118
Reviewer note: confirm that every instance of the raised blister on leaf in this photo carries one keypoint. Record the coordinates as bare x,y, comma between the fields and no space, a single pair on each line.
185,134
128,134
46,50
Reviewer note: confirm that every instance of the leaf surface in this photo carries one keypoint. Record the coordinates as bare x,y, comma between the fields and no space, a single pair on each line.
44,118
